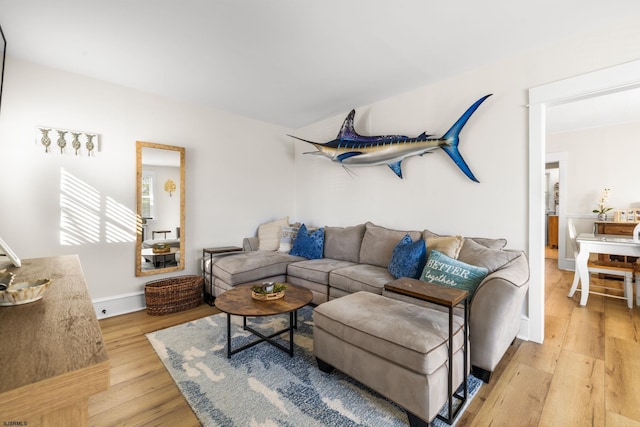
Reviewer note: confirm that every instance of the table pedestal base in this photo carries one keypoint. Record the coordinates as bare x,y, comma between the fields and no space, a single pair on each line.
293,324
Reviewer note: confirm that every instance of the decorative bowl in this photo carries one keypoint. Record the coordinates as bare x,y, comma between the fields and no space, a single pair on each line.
160,248
24,292
268,291
6,279
267,297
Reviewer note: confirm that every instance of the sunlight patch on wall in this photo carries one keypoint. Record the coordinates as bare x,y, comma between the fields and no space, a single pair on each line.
121,222
79,211
83,220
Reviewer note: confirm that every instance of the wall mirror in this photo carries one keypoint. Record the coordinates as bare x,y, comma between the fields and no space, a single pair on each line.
160,208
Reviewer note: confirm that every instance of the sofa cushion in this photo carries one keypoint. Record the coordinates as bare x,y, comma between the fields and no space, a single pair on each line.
448,245
269,234
492,259
490,243
252,266
444,270
484,241
308,244
378,243
408,258
343,243
360,277
316,270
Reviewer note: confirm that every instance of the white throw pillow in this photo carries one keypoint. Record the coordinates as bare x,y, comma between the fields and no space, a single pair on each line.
287,236
269,234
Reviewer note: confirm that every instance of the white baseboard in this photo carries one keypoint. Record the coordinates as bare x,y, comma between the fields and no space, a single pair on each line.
119,304
523,333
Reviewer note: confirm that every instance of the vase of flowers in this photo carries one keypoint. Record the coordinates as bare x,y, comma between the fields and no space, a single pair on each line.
602,208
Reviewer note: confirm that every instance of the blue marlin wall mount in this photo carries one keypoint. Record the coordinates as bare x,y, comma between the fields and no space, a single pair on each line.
352,149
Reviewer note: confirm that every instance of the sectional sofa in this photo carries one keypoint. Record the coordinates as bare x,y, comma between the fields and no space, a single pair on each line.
357,258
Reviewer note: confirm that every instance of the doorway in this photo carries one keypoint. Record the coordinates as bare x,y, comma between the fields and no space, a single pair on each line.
602,82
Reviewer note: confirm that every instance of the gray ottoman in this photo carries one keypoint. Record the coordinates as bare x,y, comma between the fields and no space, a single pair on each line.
398,349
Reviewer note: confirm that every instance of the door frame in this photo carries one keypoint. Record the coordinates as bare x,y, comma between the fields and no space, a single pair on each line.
602,82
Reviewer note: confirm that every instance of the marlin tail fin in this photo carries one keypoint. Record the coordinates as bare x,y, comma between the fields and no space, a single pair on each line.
452,136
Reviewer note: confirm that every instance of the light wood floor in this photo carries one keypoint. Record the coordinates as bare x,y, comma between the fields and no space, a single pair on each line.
587,372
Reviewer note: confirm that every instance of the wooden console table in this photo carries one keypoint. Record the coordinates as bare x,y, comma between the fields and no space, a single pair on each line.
51,351
618,229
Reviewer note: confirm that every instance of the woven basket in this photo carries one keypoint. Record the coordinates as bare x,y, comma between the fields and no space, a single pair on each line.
173,294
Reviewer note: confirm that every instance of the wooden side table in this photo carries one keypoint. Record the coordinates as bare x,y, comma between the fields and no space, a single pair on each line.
217,251
163,232
447,297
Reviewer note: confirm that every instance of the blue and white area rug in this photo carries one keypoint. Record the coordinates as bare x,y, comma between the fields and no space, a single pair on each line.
263,386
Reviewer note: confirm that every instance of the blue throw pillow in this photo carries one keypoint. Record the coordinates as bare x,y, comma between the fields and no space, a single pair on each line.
443,270
408,258
308,245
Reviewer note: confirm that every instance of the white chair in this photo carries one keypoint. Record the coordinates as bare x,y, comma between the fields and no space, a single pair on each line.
625,271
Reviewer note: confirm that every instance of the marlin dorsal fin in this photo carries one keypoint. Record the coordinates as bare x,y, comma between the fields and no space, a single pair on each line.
348,131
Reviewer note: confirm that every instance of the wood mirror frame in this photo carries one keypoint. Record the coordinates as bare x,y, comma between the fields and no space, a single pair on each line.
143,230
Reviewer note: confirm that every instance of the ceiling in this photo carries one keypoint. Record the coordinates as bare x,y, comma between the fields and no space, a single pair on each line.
289,62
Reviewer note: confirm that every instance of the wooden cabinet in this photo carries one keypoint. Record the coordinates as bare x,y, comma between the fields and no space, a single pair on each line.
52,353
552,231
616,228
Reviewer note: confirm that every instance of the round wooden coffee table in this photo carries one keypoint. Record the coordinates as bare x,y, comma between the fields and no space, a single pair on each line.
238,302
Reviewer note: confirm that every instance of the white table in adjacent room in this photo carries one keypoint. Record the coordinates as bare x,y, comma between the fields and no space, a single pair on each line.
602,244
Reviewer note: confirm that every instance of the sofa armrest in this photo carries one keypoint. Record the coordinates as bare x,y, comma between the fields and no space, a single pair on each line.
496,311
250,244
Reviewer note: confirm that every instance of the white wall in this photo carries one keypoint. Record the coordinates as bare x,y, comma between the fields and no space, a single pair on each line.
598,158
239,172
434,193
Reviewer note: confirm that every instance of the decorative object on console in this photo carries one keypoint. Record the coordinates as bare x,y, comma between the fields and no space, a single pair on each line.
6,279
408,258
22,292
602,208
308,244
626,215
43,138
352,149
